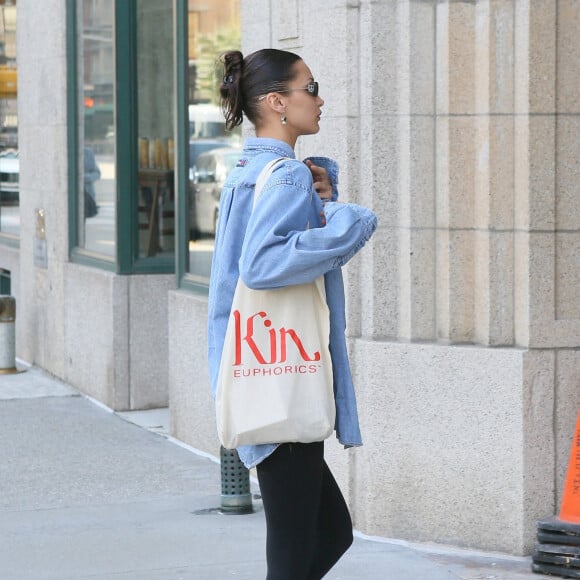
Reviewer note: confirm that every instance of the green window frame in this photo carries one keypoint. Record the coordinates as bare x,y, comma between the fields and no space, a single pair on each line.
185,279
5,286
127,259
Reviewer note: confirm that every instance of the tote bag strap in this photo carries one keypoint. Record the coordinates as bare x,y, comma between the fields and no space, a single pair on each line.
264,176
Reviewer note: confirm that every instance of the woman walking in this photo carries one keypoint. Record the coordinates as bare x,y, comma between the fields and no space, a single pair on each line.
297,232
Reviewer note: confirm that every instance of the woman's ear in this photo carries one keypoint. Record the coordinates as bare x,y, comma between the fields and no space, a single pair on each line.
275,102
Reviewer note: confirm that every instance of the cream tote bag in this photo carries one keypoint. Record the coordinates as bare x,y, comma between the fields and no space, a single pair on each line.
275,376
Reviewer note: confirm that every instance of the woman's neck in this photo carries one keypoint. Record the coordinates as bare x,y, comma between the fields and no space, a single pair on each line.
281,133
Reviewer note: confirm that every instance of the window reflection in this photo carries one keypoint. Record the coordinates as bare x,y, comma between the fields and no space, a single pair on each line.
96,161
213,151
155,89
9,160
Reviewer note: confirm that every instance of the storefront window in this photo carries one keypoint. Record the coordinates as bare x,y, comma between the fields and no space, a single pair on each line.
96,185
212,151
155,106
124,150
9,161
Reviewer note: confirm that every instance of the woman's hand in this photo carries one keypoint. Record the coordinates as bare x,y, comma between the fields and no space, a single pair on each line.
321,180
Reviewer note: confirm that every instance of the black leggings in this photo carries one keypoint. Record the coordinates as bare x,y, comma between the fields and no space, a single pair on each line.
307,521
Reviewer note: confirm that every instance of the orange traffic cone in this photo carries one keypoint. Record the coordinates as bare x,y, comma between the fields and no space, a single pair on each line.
558,549
570,508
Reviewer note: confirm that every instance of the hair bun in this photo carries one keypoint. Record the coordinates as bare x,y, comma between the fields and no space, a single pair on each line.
230,95
233,63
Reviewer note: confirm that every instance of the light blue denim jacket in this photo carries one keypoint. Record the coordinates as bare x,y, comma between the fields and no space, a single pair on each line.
289,238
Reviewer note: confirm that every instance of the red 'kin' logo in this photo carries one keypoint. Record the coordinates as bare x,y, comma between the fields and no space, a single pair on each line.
278,340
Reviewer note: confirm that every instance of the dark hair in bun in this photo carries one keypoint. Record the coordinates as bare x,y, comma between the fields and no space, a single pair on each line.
246,79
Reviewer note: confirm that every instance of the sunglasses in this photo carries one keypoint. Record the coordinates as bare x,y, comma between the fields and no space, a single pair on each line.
310,88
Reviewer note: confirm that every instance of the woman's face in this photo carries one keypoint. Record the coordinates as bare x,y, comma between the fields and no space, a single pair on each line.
303,110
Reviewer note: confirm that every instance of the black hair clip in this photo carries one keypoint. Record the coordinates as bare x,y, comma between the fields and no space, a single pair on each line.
228,79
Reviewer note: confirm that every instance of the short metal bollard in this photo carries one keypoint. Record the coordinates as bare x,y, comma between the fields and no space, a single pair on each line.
236,496
7,335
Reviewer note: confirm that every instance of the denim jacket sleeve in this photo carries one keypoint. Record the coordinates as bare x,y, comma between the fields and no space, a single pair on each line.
286,241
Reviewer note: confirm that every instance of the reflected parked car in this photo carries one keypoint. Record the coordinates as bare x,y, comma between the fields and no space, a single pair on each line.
208,178
199,146
9,177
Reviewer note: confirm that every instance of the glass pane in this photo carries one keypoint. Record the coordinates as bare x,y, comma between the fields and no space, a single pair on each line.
96,155
213,151
155,86
9,162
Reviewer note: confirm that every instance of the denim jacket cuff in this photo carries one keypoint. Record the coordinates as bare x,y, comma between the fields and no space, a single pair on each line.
331,167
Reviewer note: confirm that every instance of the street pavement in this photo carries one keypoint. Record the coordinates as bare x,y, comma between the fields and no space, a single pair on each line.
86,493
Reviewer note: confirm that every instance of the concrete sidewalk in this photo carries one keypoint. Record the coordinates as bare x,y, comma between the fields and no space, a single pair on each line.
91,494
